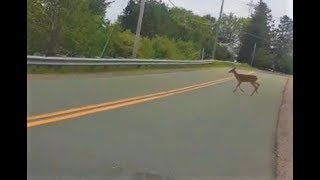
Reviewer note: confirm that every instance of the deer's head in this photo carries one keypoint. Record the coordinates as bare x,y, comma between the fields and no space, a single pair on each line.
232,70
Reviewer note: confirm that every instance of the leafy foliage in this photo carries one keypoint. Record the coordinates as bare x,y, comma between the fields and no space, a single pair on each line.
79,28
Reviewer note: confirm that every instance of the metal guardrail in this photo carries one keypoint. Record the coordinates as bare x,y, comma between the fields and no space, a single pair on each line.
72,61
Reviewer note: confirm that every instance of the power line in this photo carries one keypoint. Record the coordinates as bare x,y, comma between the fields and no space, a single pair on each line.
250,4
107,42
243,2
172,3
236,7
255,36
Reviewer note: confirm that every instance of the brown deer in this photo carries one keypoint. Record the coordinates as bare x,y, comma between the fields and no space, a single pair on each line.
245,78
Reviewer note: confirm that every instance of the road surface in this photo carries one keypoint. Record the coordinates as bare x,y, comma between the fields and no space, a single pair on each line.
205,133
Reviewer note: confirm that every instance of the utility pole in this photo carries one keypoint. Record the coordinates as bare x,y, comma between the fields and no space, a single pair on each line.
137,38
254,51
217,32
202,53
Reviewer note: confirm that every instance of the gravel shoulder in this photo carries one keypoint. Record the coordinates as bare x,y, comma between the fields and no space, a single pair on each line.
284,141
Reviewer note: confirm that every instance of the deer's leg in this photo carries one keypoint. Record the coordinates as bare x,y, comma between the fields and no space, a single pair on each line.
237,87
240,88
258,85
255,87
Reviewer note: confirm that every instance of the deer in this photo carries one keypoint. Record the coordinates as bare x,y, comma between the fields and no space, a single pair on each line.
252,79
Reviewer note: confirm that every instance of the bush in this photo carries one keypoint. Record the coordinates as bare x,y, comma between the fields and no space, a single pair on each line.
164,48
145,50
120,44
286,65
222,53
262,59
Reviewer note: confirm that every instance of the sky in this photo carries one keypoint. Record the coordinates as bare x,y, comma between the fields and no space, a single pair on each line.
212,7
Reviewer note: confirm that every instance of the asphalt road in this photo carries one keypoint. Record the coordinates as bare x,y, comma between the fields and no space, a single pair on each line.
208,133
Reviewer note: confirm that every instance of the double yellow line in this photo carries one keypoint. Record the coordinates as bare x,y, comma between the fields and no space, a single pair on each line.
91,109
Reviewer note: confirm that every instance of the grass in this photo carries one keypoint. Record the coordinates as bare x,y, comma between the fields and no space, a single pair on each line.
35,69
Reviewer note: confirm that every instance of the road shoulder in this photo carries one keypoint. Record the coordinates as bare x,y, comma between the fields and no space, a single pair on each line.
284,135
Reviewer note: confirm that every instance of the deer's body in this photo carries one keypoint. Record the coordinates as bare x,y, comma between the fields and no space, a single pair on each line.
252,79
245,77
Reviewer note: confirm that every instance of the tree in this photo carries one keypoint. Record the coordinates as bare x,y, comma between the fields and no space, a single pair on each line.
258,31
37,27
210,18
174,23
156,15
129,17
99,7
230,29
54,11
81,30
262,59
283,44
285,64
186,21
70,27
